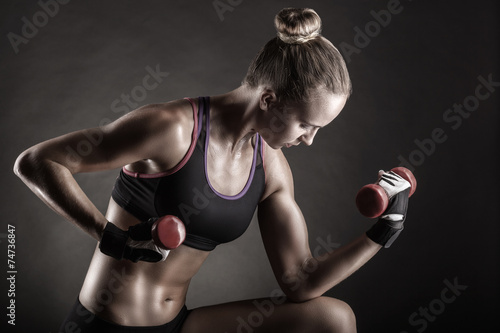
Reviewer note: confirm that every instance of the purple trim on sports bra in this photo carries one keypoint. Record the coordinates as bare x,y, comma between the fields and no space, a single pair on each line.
254,161
263,159
184,159
200,116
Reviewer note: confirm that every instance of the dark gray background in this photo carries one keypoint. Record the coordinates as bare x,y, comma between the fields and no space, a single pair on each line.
426,59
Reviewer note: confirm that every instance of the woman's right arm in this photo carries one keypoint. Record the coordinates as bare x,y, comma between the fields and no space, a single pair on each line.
48,167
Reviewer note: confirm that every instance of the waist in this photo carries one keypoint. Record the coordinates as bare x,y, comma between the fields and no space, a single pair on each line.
139,294
86,321
124,311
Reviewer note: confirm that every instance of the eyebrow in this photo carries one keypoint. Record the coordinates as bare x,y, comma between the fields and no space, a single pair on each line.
308,123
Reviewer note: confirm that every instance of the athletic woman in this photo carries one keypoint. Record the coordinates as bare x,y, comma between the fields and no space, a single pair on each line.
212,161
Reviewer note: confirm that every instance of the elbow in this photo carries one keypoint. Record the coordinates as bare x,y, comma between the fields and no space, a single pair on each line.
20,164
302,285
300,293
26,164
297,298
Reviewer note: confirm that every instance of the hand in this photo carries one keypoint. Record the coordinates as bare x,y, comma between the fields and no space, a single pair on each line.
134,244
390,224
395,186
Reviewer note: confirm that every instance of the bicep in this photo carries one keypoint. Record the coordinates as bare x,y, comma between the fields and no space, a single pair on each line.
282,226
284,234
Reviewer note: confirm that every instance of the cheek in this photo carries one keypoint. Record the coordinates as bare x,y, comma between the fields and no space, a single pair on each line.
286,131
293,131
281,129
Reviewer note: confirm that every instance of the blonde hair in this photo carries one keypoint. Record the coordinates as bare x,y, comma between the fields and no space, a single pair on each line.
297,26
299,59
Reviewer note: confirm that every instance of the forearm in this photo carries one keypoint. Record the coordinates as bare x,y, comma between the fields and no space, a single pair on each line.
341,263
55,185
324,272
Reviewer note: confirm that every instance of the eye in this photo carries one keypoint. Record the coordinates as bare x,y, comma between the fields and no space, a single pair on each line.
304,126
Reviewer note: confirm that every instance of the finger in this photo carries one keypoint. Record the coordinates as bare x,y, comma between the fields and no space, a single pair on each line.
389,176
387,181
395,175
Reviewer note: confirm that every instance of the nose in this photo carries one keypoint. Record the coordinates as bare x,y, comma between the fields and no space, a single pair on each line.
308,138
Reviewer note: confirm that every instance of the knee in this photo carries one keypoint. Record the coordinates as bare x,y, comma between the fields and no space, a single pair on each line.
336,315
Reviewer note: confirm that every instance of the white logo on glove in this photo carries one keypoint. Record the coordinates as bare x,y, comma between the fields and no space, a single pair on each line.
392,183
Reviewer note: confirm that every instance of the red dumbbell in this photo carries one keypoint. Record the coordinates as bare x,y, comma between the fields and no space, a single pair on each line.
168,232
372,199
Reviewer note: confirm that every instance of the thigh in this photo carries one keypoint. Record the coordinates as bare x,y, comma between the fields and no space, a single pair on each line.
322,314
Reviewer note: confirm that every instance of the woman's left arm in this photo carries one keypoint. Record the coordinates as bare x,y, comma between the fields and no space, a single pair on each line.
300,275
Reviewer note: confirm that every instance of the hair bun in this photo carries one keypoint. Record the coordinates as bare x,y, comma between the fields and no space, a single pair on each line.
297,25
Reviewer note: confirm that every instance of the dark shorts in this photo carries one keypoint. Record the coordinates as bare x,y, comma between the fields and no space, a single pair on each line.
82,320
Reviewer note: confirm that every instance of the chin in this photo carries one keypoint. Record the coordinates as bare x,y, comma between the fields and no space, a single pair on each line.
273,143
276,146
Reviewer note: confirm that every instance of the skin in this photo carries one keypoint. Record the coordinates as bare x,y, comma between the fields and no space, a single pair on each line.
155,138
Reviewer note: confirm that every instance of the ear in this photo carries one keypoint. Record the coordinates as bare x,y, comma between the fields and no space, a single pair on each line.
268,99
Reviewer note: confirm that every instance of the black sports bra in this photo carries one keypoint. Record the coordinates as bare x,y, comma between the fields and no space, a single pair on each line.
210,217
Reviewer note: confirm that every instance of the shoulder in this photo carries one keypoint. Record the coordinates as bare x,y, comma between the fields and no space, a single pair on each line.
174,118
162,131
174,114
278,173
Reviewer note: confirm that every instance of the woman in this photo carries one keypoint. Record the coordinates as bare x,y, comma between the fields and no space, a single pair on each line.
212,161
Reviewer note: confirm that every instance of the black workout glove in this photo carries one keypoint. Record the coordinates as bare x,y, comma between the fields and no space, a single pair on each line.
134,244
390,224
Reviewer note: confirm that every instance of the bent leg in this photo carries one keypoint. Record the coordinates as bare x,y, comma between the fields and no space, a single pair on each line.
322,314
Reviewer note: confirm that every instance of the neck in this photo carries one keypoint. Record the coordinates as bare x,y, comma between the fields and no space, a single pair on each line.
234,116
